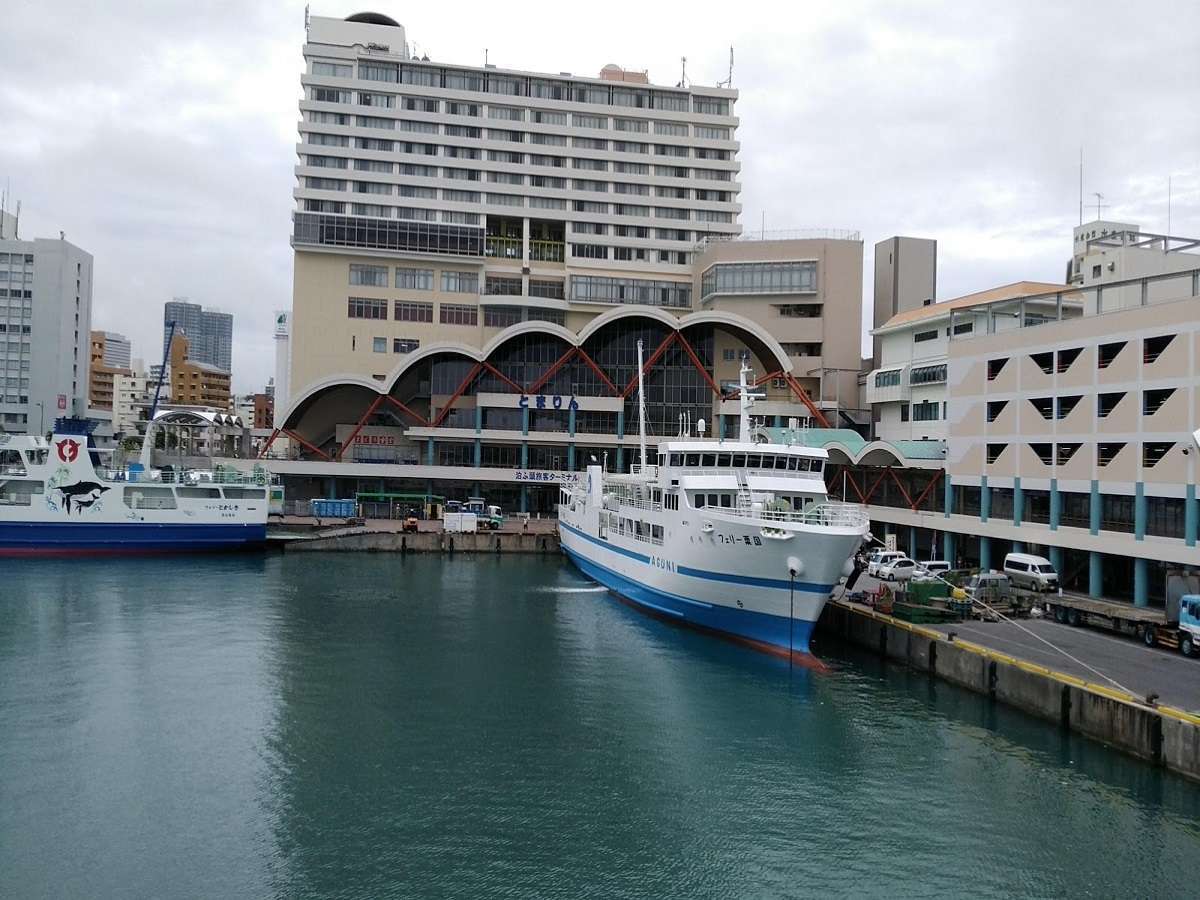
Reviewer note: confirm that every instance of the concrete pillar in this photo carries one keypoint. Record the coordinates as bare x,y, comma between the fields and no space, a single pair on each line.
1095,573
913,550
525,420
1018,547
429,452
1018,502
1094,509
948,547
1056,559
1141,582
478,453
1139,512
620,459
620,425
985,553
478,419
985,500
947,496
721,425
331,487
1055,506
570,457
1191,516
571,422
524,498
524,454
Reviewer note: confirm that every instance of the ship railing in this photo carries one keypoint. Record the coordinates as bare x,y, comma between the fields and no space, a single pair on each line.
638,503
829,515
649,470
191,477
786,473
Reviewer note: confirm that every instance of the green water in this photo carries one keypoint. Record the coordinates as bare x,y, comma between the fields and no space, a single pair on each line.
367,726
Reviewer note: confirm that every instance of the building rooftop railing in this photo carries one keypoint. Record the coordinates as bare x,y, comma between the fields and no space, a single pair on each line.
786,234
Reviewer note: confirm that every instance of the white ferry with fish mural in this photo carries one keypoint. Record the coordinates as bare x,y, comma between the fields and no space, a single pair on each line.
58,497
734,537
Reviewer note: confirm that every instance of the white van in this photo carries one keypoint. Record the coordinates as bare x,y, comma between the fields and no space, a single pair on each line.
1034,573
881,558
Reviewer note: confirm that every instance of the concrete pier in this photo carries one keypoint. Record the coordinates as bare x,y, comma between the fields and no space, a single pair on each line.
1162,735
356,540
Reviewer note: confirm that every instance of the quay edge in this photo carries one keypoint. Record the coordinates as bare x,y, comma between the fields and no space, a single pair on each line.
363,540
1161,735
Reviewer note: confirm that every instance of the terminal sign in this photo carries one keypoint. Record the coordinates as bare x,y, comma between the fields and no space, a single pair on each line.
548,401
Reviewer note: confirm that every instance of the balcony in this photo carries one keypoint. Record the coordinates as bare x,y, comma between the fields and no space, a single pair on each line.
502,247
547,251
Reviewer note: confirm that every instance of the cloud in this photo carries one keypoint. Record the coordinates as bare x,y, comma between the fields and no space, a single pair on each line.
160,135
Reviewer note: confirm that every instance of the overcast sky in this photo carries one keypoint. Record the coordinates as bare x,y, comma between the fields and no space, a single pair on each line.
159,135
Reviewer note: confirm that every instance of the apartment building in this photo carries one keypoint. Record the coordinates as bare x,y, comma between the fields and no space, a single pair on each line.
133,392
194,383
473,241
45,325
209,332
905,278
109,357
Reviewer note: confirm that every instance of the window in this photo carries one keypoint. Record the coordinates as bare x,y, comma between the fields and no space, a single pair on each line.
903,412
376,122
801,348
922,336
887,379
328,140
412,311
405,345
501,316
1044,452
332,70
994,368
1106,453
383,101
379,345
641,126
546,117
1116,513
324,184
1064,406
1064,452
549,140
364,308
1153,451
463,131
372,187
712,133
710,106
602,289
964,327
589,251
925,411
1106,403
1108,352
507,113
497,285
994,408
546,289
414,279
1067,357
458,314
456,108
1044,405
928,374
1165,516
330,95
591,165
374,276
760,278
995,451
800,310
378,71
1152,348
421,104
1152,401
373,165
587,121
1044,361
455,282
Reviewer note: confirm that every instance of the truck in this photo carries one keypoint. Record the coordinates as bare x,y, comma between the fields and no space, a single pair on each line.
489,516
1175,626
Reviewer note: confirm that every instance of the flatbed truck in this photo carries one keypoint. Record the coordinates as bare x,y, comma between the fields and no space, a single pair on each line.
1177,626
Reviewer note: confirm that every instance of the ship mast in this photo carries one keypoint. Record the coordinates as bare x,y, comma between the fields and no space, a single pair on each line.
746,402
641,410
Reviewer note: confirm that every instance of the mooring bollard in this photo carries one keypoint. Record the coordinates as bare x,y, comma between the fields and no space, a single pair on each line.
497,543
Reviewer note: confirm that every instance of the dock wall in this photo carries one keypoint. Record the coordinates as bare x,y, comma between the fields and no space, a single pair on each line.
1161,735
424,542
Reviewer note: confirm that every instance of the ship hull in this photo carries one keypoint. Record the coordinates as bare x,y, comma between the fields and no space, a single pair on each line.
740,599
26,539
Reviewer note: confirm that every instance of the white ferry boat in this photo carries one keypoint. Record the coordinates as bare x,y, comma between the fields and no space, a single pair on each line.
57,497
735,537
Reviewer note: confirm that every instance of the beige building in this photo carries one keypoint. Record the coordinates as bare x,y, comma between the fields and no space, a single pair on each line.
905,278
109,358
196,384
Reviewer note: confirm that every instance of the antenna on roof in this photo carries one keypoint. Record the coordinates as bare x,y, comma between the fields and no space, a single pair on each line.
728,82
1099,205
306,18
485,57
1081,184
683,74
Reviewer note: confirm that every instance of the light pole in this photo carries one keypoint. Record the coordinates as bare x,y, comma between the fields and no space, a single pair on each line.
41,417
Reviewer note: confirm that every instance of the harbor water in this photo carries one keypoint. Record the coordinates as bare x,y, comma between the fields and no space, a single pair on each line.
343,725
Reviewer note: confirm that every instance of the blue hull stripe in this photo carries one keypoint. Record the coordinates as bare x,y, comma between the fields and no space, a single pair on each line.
762,628
67,537
751,580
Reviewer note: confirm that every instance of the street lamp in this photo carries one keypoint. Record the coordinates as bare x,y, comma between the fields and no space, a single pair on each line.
41,417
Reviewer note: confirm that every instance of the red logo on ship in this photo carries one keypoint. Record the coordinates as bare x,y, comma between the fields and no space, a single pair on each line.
68,450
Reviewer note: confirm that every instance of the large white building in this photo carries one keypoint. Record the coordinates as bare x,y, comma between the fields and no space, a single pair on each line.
45,328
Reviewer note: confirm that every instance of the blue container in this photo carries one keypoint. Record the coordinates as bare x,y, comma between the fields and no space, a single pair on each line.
334,509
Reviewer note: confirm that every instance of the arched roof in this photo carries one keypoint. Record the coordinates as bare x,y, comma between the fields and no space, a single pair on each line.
373,18
196,417
756,333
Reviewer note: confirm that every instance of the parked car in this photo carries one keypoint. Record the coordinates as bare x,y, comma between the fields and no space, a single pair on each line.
932,570
1034,573
901,569
880,558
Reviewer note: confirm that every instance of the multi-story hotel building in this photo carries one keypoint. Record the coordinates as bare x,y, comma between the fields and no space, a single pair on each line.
478,250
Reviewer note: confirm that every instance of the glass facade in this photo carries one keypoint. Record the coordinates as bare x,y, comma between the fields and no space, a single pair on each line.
760,278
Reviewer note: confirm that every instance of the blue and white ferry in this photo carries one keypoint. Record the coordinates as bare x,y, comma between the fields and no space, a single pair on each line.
735,537
58,498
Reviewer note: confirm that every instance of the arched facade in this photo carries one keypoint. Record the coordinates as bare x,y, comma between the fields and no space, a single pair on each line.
537,392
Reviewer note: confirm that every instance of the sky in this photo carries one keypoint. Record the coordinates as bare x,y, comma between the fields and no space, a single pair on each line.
160,135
